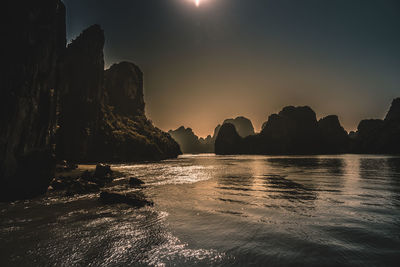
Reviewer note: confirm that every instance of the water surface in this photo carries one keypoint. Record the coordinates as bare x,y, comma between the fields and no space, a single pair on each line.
221,210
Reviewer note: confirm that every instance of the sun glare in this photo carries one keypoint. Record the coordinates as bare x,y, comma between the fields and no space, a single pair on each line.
197,2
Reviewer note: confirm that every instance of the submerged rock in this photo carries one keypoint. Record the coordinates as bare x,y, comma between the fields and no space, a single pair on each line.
131,199
133,181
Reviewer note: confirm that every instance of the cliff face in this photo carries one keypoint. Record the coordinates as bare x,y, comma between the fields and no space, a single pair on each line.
125,134
102,112
81,95
33,44
124,88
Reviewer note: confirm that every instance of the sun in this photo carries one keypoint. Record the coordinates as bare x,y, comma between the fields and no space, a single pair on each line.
197,2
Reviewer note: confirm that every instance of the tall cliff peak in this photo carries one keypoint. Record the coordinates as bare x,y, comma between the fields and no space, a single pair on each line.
394,111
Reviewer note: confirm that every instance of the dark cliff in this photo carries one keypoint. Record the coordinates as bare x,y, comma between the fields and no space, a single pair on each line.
333,137
32,45
228,141
102,114
81,95
191,143
379,136
124,88
125,134
294,130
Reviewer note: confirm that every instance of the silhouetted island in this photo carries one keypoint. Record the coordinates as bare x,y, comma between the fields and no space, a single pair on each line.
191,143
58,98
295,130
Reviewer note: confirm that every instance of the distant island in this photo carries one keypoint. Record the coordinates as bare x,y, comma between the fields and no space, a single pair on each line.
191,143
296,130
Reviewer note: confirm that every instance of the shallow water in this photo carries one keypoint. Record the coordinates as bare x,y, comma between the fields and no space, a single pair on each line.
221,210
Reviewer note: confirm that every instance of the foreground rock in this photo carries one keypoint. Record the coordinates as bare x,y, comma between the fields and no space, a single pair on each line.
135,182
33,40
135,200
85,182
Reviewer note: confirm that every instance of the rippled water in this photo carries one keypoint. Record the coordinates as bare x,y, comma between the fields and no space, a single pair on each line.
217,210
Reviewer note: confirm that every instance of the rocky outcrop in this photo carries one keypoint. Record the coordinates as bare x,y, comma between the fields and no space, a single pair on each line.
34,40
191,143
333,137
379,136
124,85
393,114
136,200
243,126
102,112
294,130
124,133
228,140
82,95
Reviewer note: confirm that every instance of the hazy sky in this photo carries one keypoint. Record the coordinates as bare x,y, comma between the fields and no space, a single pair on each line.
252,57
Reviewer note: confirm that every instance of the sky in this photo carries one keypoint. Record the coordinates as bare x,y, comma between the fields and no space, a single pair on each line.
227,58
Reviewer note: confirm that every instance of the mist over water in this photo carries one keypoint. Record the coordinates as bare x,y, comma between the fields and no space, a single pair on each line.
221,210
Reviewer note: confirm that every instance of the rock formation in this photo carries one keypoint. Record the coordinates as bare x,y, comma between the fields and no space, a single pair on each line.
379,136
294,130
191,143
102,112
81,95
334,138
125,134
33,44
243,126
228,140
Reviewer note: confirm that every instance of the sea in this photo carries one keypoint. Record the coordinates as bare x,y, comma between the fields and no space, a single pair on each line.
209,210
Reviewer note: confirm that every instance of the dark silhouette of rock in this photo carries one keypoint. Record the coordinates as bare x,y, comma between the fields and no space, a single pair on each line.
379,136
394,111
102,171
135,182
124,85
228,140
102,112
33,42
334,138
191,143
125,134
243,126
135,200
82,95
294,130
